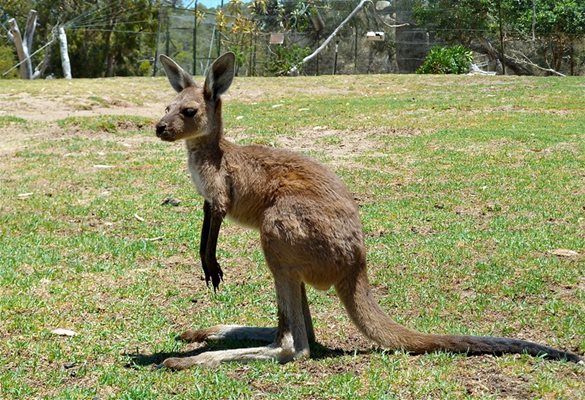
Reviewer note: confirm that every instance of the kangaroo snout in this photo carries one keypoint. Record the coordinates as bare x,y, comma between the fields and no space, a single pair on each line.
161,131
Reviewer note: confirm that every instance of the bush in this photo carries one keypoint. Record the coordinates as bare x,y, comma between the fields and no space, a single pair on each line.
145,68
284,59
447,60
7,60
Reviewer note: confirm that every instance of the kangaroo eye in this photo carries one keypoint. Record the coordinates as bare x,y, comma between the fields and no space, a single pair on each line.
167,110
189,112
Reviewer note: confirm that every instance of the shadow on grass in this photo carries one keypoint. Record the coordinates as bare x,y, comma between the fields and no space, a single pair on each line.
318,352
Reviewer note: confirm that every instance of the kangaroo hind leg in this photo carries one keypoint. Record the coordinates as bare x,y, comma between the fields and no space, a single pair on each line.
307,315
229,333
241,332
291,340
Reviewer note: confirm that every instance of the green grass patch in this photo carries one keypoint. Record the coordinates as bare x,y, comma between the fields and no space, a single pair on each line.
466,187
8,120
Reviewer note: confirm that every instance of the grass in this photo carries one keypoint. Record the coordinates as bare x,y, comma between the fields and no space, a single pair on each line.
466,185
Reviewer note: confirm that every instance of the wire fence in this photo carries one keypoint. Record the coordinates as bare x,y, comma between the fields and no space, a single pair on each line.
381,38
195,41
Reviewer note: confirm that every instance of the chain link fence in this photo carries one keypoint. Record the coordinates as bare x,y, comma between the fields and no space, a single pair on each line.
383,40
195,42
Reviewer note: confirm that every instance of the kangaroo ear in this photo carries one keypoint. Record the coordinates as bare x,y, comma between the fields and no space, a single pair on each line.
220,76
178,78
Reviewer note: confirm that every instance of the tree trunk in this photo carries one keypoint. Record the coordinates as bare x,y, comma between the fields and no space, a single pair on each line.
65,64
110,59
29,31
40,69
21,50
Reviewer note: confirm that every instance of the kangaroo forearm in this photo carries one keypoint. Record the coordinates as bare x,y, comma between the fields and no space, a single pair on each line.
211,264
204,239
208,245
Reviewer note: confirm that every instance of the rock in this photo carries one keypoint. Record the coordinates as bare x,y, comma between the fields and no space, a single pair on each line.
169,201
63,332
564,253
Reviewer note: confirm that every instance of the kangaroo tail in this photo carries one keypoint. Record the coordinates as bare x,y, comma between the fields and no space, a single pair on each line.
374,323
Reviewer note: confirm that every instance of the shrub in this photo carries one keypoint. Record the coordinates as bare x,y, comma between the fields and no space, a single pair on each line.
145,68
285,58
7,60
447,60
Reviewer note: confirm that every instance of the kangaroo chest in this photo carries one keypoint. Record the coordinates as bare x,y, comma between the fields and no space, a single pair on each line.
200,177
208,179
198,181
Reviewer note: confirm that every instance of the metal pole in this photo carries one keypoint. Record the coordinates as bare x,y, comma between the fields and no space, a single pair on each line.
335,59
533,20
502,37
168,34
355,50
219,34
317,59
250,71
195,39
155,65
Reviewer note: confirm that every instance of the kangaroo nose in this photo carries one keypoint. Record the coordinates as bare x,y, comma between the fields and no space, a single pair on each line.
160,128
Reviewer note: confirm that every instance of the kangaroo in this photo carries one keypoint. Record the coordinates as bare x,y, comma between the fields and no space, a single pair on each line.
310,232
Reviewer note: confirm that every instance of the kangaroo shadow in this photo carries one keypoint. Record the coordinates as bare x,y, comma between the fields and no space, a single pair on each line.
318,352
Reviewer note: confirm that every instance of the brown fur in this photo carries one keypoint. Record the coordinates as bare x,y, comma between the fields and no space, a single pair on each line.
309,228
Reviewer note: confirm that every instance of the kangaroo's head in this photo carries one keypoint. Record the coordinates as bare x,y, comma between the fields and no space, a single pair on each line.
196,111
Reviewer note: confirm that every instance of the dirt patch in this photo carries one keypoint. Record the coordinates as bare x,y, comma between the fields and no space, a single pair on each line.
16,137
334,143
340,147
485,377
516,109
47,108
248,92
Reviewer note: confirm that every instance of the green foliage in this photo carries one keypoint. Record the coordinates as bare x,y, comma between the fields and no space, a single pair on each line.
7,60
105,37
555,28
458,23
447,60
239,53
285,58
552,17
145,68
